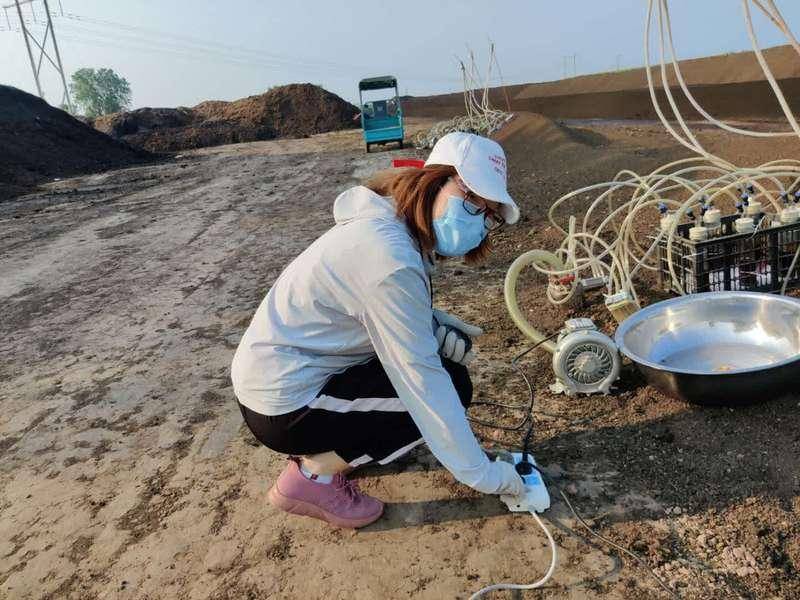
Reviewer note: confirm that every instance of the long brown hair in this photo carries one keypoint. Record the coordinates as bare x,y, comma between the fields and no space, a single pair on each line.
414,192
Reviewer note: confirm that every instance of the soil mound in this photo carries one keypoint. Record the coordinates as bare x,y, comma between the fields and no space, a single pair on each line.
729,86
295,110
723,69
528,134
197,135
142,120
39,142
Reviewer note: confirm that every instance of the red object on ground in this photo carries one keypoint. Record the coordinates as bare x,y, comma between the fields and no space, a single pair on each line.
566,280
408,162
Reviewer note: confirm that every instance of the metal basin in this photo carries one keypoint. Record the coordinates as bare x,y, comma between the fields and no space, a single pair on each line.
717,348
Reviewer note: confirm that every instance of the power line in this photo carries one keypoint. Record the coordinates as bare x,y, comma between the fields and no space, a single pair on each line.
196,48
78,32
209,46
132,44
196,41
196,51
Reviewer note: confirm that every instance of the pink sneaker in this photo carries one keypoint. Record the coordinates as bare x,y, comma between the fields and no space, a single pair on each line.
339,502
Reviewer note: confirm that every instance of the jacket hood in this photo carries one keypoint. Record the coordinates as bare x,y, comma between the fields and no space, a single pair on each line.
362,203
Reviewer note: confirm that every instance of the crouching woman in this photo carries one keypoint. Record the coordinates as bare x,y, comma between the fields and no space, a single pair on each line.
346,362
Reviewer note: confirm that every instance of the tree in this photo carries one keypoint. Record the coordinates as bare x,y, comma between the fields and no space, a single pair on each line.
100,91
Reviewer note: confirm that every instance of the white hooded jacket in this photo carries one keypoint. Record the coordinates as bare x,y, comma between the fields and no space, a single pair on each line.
358,291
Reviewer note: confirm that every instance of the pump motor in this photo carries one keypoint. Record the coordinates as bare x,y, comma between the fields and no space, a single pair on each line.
585,360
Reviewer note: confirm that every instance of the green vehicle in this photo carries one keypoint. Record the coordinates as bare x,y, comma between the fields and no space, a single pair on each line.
381,119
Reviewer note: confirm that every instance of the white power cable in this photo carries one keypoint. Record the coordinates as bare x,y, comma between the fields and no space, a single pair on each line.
528,586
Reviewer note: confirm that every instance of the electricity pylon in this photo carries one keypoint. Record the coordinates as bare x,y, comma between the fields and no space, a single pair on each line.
30,37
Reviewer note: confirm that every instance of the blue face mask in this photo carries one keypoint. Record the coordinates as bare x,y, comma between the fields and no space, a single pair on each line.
457,231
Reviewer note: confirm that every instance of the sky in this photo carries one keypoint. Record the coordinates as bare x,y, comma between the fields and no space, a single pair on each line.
181,52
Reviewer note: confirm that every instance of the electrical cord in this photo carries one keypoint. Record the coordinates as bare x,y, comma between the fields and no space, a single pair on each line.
529,407
640,561
528,586
528,418
648,192
527,469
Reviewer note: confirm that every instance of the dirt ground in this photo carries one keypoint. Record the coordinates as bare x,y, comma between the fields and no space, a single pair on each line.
126,471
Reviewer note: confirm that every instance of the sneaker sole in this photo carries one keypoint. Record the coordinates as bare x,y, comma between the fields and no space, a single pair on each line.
306,509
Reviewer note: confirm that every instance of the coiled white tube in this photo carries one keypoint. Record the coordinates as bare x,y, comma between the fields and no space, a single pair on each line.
613,248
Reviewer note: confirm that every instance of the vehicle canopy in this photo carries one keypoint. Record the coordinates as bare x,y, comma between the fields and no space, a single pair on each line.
377,83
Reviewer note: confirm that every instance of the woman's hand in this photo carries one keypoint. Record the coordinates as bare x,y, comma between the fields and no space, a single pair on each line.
514,485
454,337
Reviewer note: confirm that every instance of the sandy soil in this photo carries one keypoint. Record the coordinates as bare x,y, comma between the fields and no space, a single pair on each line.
126,471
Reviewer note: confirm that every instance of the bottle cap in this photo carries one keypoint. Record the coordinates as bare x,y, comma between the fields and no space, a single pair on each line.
712,217
754,208
698,234
789,215
744,225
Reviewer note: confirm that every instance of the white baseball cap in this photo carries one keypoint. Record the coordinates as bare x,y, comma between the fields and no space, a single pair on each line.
481,163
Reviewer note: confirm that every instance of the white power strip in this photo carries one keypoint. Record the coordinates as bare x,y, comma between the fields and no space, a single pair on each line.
536,499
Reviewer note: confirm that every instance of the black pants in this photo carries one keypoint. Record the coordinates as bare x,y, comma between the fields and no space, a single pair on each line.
357,415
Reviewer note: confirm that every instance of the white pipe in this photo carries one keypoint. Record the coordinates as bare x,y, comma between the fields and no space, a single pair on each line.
679,76
613,248
765,67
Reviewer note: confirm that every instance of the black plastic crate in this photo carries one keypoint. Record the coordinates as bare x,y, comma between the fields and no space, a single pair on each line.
757,262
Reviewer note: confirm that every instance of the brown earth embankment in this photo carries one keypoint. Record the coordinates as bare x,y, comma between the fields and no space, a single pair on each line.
730,86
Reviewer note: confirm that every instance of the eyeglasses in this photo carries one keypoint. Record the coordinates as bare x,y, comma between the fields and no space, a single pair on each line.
492,221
